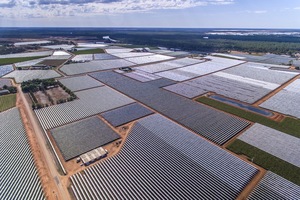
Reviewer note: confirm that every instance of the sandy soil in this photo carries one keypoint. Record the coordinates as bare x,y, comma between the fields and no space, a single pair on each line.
47,183
57,93
42,97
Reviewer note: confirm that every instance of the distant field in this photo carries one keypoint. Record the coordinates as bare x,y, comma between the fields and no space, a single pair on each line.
89,51
5,61
7,102
54,63
288,125
267,161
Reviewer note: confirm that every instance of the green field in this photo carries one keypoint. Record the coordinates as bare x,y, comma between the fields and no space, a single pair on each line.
89,51
7,102
267,161
289,125
6,61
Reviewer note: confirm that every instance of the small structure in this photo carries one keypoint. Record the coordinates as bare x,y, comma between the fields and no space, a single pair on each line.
93,155
4,92
39,66
109,40
126,69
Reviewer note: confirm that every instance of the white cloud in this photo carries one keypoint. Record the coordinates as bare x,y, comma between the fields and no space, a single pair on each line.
260,11
52,8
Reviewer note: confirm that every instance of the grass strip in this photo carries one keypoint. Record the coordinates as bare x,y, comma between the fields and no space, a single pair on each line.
289,125
7,102
6,61
89,51
267,161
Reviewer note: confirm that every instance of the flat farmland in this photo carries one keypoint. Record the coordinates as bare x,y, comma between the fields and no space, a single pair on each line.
26,75
7,101
53,63
19,175
286,100
273,142
273,186
5,69
80,137
89,51
158,161
90,102
96,65
207,122
5,61
80,83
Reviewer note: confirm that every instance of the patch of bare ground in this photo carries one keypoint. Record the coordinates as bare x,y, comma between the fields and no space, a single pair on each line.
57,93
42,97
46,181
53,63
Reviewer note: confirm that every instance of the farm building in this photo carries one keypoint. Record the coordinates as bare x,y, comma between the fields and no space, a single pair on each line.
3,92
93,155
39,66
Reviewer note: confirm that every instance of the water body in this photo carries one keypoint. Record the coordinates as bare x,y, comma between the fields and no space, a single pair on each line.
242,105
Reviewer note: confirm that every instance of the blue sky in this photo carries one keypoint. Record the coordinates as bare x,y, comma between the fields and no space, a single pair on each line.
151,13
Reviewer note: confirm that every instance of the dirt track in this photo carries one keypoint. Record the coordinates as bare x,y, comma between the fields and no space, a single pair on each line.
43,157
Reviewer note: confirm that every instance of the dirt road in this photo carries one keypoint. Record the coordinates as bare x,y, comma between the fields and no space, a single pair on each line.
60,191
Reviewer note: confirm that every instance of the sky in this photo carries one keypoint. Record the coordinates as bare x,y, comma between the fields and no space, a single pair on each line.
151,13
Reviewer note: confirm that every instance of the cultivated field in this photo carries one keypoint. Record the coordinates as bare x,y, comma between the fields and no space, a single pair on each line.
158,161
273,142
169,65
80,137
5,69
273,186
142,76
19,178
96,65
27,55
6,82
209,123
267,161
288,125
286,101
90,102
26,75
7,101
5,61
125,114
80,83
89,51
148,59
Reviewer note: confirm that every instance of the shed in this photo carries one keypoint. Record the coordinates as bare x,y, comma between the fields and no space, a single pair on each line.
3,92
93,155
